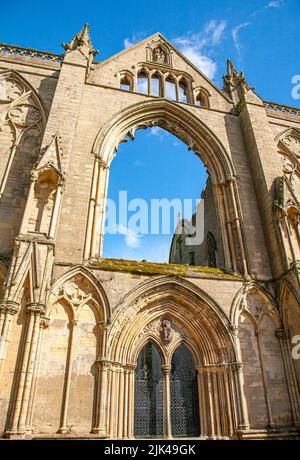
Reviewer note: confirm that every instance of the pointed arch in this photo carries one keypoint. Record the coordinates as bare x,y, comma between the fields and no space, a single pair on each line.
101,296
238,304
193,312
175,119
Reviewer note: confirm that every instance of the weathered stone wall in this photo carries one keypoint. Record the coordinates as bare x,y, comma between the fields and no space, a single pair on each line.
72,324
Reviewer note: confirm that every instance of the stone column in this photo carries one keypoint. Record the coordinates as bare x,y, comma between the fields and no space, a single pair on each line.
244,419
228,401
7,310
167,401
121,405
232,188
229,230
264,378
44,324
37,310
18,422
202,405
66,393
56,207
96,219
112,412
216,402
211,404
102,397
283,336
131,402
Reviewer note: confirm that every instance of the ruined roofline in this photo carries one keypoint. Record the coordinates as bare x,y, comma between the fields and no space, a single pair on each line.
282,108
30,52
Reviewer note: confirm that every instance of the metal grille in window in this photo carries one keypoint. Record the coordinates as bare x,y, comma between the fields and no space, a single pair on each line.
148,417
184,404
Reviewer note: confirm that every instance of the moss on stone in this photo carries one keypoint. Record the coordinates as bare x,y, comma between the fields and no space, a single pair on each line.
158,268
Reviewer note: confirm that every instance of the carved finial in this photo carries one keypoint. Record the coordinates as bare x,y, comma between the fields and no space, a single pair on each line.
235,84
82,42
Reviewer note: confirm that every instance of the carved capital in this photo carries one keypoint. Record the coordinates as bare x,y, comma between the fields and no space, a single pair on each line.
234,329
44,322
166,368
237,367
282,334
10,307
37,308
103,364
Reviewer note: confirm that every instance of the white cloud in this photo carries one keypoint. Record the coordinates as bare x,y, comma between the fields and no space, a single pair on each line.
197,47
132,239
127,43
200,60
158,132
235,35
274,4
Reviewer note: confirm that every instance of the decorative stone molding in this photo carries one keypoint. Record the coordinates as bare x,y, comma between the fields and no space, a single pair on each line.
165,330
37,308
237,367
10,307
44,322
159,53
30,53
283,334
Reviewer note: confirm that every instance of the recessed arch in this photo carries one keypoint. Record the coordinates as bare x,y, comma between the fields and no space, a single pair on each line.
138,315
101,296
174,119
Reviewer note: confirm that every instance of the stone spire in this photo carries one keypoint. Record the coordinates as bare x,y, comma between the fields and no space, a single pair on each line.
235,83
81,43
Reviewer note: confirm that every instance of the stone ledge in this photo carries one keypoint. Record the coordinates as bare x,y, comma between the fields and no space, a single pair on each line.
153,268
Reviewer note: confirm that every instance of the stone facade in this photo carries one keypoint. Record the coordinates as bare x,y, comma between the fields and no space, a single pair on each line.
73,324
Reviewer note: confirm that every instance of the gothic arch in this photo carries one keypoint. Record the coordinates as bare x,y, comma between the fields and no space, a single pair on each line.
260,347
175,119
195,314
100,295
240,297
21,130
199,138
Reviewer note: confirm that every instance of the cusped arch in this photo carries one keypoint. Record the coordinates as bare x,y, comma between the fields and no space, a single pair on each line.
287,293
199,322
239,305
101,298
173,118
16,76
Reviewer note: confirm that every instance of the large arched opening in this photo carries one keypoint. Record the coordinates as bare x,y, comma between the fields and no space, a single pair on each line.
188,128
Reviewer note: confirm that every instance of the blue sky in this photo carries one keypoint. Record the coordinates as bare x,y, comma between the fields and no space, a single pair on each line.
261,37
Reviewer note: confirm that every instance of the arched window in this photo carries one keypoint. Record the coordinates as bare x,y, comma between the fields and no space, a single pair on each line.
170,88
143,82
211,251
148,394
183,91
156,85
126,83
201,99
184,394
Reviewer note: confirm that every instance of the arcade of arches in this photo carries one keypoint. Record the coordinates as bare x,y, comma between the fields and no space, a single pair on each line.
120,349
